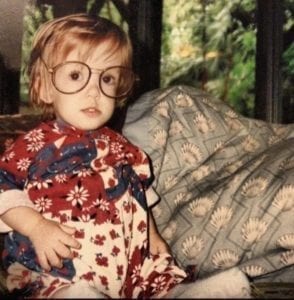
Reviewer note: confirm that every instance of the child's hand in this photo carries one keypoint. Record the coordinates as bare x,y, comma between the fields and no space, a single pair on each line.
157,244
52,242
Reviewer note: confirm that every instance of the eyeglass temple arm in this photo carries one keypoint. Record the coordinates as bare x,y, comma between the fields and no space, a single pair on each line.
50,70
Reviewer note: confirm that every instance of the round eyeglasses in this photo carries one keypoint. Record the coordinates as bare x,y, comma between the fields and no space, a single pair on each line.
72,76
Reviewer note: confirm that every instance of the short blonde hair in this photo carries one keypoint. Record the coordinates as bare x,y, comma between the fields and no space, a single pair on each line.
55,39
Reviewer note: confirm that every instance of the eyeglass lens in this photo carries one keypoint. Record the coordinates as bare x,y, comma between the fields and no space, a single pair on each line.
72,77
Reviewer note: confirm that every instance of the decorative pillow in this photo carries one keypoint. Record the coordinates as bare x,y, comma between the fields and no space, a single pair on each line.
226,182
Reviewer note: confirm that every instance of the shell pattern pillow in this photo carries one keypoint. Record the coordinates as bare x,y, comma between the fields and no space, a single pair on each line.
226,182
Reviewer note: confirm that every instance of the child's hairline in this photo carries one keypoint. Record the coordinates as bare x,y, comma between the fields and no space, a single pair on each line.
58,35
53,57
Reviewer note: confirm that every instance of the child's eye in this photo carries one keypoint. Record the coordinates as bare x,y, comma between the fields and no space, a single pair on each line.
75,75
109,80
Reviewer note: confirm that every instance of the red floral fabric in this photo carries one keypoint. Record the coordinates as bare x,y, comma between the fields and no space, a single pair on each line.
97,182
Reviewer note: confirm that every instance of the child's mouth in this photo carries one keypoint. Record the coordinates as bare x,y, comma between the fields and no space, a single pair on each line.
91,112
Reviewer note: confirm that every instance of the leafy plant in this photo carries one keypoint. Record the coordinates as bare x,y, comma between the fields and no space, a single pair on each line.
212,47
34,17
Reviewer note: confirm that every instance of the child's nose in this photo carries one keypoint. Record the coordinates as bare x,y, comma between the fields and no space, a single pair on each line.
93,85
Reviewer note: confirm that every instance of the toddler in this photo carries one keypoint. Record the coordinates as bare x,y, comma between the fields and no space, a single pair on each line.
75,195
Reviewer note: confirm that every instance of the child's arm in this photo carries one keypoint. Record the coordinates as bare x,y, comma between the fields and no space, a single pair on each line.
52,241
157,243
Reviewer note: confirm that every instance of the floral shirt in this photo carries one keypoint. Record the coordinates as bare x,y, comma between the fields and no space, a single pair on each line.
98,182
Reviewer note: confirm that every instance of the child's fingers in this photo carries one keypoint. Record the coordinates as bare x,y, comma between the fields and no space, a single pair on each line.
43,261
63,251
68,229
53,259
67,238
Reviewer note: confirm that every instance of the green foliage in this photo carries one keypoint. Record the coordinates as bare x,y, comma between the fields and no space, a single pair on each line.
288,59
33,18
212,47
110,12
288,75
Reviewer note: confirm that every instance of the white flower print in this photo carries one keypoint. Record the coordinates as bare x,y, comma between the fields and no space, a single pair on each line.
144,284
158,284
162,109
191,153
183,100
234,124
200,206
287,258
8,143
43,203
253,229
105,138
156,167
280,130
159,137
23,164
157,211
203,124
42,184
286,241
35,146
169,231
170,181
209,103
250,144
225,258
219,146
273,140
84,218
102,204
116,147
175,128
232,114
192,246
61,178
254,187
221,217
8,156
121,139
78,195
85,173
35,135
180,198
136,273
284,199
201,172
122,155
254,270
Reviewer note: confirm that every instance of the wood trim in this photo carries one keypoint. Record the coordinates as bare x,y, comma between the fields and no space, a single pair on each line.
145,32
268,102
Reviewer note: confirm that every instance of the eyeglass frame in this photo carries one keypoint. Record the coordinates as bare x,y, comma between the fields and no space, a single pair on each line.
101,71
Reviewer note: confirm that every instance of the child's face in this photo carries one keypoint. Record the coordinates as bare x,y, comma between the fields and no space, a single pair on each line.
89,108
